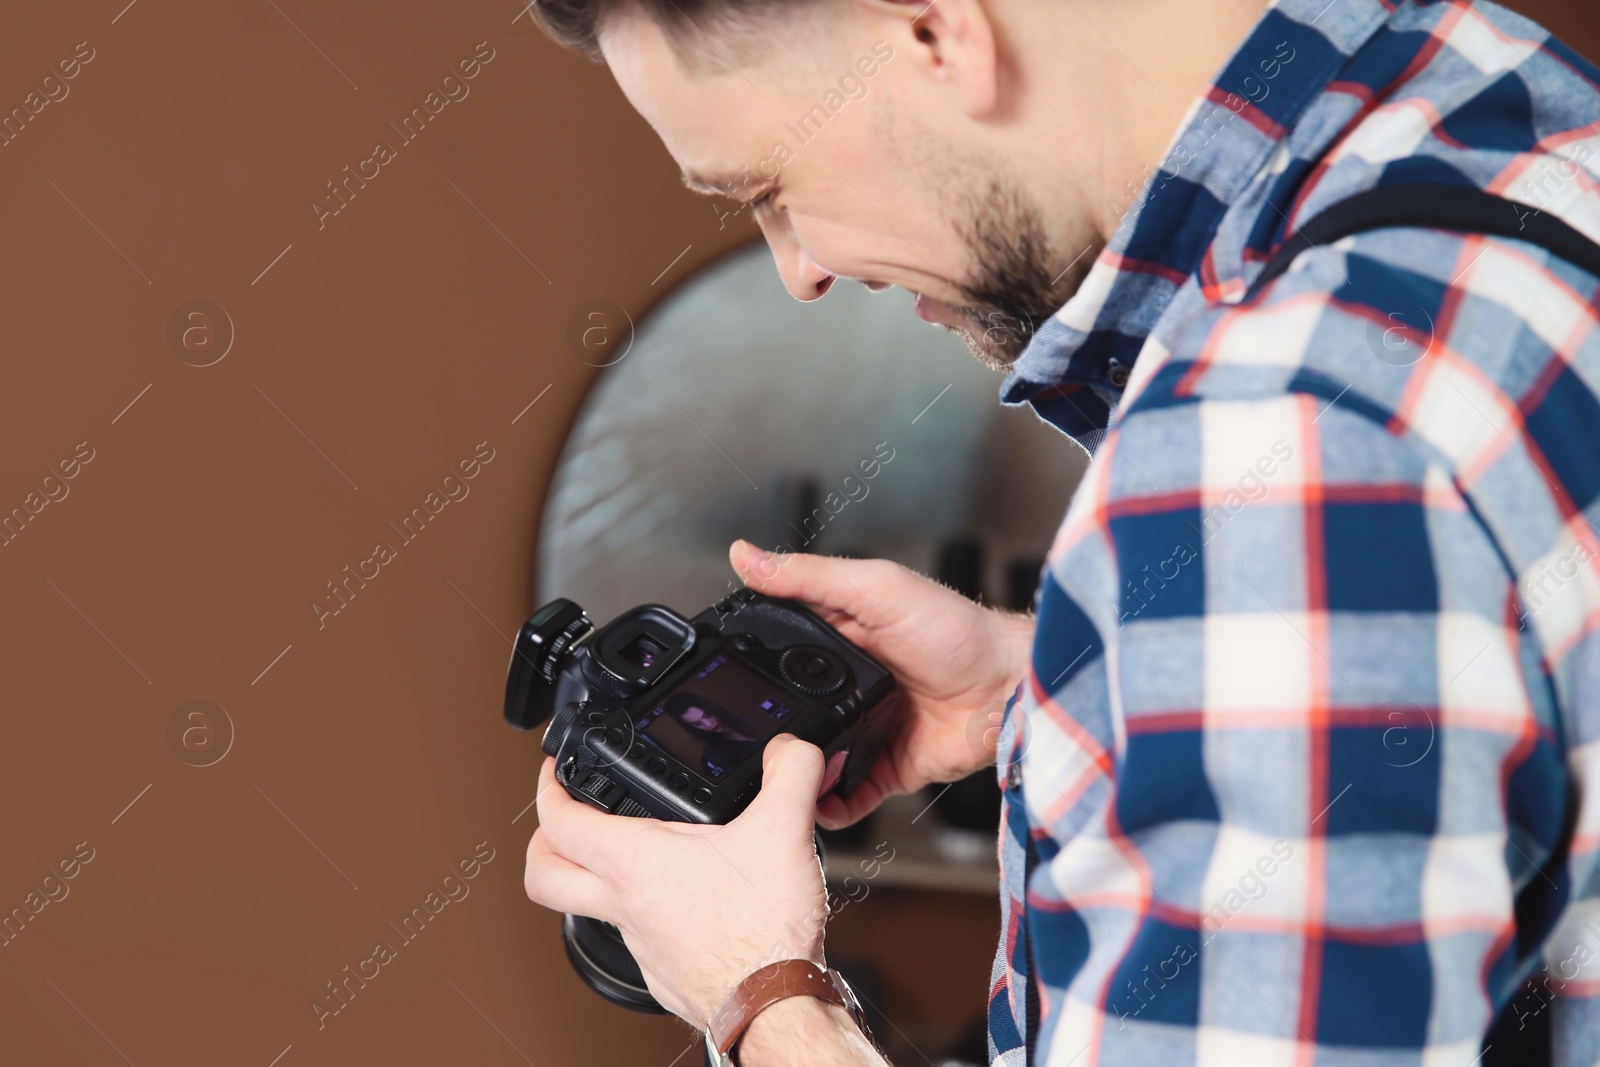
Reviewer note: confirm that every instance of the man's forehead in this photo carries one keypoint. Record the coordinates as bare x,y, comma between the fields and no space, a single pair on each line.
639,49
639,55
705,121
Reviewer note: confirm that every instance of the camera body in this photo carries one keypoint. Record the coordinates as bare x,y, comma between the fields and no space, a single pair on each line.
661,716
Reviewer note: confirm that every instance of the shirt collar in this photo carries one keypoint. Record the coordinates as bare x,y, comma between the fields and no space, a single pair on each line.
1073,369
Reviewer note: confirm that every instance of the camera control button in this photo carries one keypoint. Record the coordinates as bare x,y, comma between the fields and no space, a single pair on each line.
616,735
701,796
743,642
657,766
637,751
557,730
813,670
679,781
847,708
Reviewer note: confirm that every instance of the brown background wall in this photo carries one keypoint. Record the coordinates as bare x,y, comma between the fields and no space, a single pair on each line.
369,356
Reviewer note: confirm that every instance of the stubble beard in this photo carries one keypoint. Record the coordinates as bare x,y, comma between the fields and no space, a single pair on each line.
1018,280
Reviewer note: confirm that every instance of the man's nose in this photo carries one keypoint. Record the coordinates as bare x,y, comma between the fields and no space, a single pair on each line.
801,275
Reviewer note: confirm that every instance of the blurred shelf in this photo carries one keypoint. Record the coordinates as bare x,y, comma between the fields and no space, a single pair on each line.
927,855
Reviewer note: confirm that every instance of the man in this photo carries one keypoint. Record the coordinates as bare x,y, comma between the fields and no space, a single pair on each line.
1295,771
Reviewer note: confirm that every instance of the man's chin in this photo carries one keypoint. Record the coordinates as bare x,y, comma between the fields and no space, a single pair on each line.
986,343
996,357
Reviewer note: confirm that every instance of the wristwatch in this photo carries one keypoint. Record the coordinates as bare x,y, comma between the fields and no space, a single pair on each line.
764,988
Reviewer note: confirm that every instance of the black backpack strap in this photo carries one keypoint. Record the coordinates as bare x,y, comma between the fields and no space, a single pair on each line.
1439,207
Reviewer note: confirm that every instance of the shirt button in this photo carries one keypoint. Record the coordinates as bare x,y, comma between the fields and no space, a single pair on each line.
1014,775
1117,376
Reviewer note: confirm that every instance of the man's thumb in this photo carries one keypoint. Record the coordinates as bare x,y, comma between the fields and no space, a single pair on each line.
791,774
755,566
818,580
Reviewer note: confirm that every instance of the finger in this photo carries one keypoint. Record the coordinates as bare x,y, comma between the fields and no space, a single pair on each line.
791,772
561,885
847,586
883,781
573,829
835,812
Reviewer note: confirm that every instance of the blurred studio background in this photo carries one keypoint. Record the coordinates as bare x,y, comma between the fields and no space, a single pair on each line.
232,372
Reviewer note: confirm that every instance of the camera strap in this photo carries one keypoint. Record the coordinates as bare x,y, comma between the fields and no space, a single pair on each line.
1434,206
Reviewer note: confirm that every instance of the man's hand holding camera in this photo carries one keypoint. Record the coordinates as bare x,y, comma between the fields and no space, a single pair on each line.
701,907
955,662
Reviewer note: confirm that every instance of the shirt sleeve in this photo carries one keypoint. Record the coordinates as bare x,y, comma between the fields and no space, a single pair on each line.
1330,770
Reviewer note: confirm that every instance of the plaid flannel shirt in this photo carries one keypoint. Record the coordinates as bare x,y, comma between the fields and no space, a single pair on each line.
1297,775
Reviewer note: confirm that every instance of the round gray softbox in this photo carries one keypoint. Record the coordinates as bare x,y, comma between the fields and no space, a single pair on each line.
740,412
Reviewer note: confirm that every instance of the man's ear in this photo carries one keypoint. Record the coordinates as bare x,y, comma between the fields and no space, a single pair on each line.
952,41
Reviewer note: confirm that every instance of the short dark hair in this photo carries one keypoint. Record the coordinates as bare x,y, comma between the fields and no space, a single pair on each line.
576,24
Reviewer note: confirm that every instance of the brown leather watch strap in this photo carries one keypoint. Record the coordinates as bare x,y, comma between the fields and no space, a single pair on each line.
775,982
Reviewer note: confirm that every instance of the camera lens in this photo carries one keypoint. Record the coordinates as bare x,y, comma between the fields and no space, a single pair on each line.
602,960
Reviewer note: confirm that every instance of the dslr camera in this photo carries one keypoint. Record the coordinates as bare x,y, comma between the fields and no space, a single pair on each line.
655,715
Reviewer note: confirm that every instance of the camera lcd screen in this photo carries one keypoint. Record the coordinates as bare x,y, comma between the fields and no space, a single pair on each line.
717,717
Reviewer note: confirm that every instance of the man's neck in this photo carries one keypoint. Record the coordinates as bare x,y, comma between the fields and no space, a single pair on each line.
1137,66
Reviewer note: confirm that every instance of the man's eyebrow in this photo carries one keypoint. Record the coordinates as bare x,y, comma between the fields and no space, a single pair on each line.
704,186
712,184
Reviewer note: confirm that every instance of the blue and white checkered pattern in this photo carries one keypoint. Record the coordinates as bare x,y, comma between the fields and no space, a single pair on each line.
1298,772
